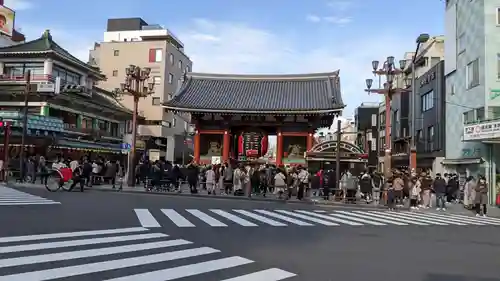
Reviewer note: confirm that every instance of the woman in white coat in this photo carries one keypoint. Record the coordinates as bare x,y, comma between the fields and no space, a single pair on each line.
468,192
210,180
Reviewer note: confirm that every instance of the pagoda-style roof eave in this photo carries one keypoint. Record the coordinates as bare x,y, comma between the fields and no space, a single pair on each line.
331,111
264,77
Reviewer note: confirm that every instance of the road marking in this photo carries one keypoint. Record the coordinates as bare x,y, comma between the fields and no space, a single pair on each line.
367,216
385,216
443,220
259,218
233,218
176,218
63,272
468,221
72,243
146,218
27,260
493,221
309,218
402,215
320,211
357,219
272,274
186,270
70,234
408,220
206,218
284,218
335,219
29,203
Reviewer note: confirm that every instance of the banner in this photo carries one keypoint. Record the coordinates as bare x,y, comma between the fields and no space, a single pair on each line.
7,17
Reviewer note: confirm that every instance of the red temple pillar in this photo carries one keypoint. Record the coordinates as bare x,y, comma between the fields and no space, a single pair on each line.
279,149
196,147
310,141
225,147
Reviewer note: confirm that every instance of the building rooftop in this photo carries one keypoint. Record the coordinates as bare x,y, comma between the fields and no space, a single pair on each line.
44,46
316,93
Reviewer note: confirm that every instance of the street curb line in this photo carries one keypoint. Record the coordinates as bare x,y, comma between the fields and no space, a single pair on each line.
242,198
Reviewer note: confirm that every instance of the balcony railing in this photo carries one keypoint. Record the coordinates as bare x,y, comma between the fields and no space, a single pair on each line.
22,79
88,131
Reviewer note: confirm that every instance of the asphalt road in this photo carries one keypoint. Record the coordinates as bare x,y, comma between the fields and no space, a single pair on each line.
394,247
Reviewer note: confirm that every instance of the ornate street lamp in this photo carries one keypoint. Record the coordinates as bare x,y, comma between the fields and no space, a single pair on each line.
389,71
138,86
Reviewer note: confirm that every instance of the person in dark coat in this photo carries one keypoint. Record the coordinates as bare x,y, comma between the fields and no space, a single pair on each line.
192,177
329,183
439,187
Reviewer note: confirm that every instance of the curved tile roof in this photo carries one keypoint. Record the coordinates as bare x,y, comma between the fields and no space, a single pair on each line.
285,94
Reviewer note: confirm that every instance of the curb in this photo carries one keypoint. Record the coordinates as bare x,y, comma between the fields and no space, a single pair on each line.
242,198
206,196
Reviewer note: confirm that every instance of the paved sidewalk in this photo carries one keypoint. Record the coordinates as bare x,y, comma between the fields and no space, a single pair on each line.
459,209
204,194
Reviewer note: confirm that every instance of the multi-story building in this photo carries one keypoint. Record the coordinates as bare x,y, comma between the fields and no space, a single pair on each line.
366,120
67,113
430,117
472,88
132,41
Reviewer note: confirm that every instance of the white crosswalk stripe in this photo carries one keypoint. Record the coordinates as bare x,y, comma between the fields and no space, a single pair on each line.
13,197
282,218
145,254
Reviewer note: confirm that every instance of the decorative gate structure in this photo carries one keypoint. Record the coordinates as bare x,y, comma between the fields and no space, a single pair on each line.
327,152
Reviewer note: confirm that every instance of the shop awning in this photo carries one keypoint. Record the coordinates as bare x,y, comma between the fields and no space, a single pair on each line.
87,146
462,161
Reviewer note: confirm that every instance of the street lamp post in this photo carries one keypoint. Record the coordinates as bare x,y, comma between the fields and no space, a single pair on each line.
421,39
138,86
389,71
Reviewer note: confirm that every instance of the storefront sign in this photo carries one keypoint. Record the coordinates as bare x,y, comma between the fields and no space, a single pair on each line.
427,79
485,130
495,93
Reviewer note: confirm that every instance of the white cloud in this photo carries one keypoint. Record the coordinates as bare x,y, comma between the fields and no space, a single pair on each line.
18,5
329,19
229,47
313,18
242,48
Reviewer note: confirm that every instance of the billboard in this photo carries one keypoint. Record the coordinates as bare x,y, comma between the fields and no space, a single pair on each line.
7,17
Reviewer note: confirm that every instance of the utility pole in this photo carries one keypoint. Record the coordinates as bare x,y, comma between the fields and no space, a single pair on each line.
337,154
27,91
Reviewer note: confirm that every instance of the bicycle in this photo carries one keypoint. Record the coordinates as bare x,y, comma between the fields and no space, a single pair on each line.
60,178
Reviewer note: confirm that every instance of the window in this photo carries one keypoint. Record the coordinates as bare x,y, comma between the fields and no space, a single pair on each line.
469,117
472,74
19,69
174,122
480,114
179,64
461,44
157,80
498,16
435,60
116,53
155,55
67,77
498,66
427,101
156,101
171,58
188,69
418,138
170,78
430,138
115,73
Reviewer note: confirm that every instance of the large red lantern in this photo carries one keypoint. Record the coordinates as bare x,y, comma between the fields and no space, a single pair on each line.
252,144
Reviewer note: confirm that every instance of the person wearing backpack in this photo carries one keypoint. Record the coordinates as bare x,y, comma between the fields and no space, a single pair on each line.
303,176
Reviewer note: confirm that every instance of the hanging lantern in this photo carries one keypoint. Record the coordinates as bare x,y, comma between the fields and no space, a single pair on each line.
240,145
264,145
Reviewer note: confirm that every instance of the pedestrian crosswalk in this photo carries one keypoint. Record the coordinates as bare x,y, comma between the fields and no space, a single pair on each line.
218,218
140,253
13,197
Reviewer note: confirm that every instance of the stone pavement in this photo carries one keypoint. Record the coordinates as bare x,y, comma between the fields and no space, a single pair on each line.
203,193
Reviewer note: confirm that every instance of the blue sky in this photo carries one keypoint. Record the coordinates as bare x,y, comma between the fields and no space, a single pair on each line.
259,36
